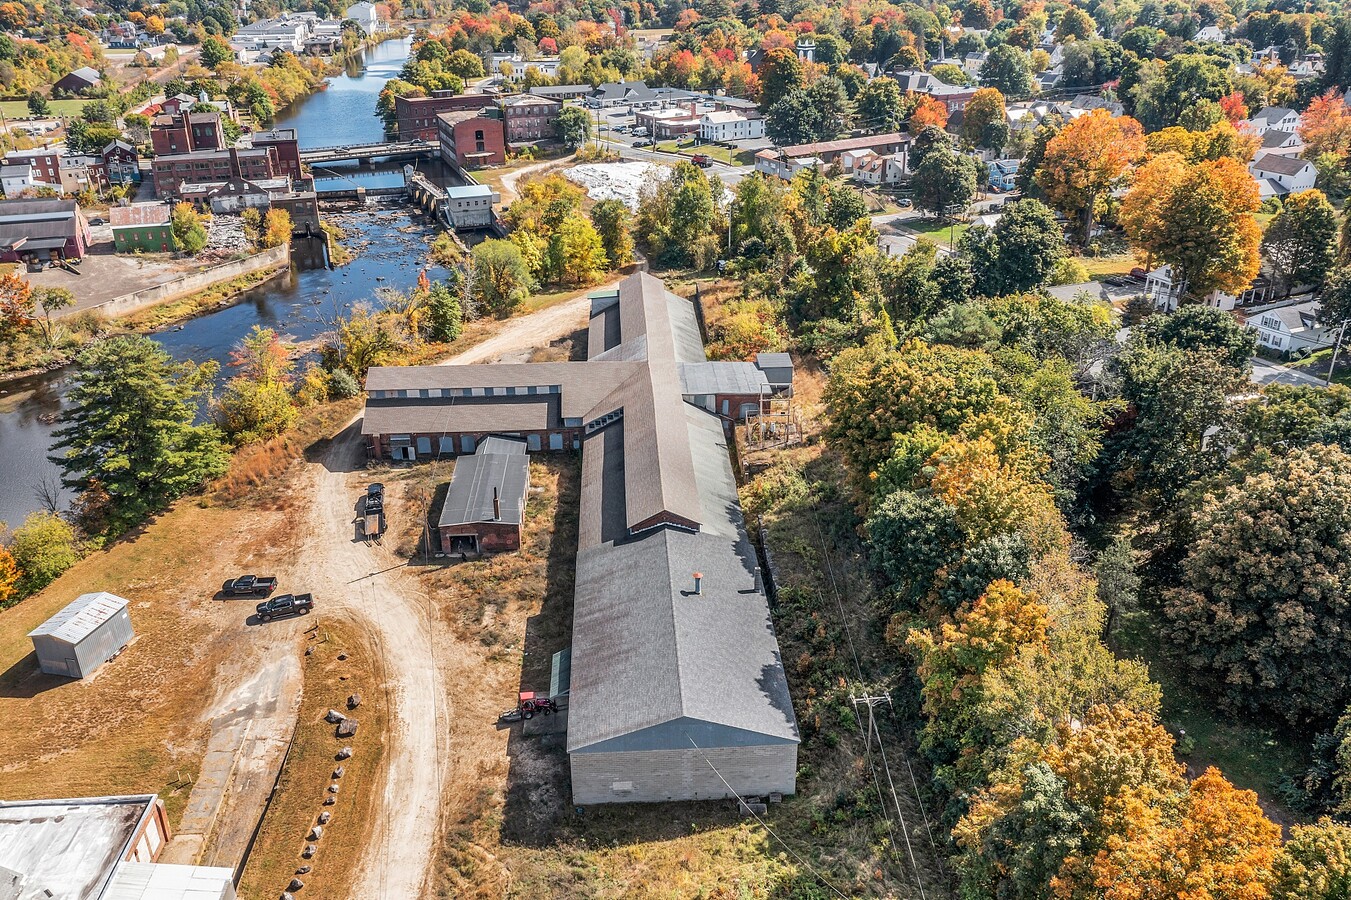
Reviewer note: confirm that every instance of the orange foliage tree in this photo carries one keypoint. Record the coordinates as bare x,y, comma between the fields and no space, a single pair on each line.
1325,126
928,111
9,578
1087,159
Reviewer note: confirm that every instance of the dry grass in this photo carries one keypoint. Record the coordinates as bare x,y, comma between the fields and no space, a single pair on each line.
136,726
255,468
301,790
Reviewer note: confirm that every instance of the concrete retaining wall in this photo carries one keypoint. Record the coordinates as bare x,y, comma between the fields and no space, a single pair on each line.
273,258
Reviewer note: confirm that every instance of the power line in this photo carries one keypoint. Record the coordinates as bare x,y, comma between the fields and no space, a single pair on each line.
747,807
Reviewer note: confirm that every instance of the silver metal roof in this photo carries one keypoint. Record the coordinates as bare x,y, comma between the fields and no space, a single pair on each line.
470,498
68,847
81,617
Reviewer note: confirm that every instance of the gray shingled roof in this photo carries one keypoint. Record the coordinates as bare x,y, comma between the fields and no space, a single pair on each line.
654,665
470,497
1281,165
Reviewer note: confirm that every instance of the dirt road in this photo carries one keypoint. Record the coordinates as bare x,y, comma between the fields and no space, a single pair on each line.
509,192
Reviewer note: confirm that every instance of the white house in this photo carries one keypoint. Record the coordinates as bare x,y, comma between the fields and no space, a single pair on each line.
285,33
850,160
881,170
1276,118
1211,34
1292,328
725,125
1286,143
774,162
1278,175
1167,296
16,178
366,15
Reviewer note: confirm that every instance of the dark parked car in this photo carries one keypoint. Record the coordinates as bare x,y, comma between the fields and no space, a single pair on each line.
285,605
250,586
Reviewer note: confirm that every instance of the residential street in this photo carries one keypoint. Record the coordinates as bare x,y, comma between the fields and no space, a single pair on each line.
1264,371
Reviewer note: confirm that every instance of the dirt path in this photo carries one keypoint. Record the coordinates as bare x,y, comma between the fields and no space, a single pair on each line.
509,192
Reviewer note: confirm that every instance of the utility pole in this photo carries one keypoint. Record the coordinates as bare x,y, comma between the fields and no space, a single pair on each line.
871,702
1335,350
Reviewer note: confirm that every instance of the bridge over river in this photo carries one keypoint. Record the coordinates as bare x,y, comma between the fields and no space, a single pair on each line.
367,153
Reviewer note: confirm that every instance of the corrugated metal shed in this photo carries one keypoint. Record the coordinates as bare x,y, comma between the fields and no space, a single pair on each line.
81,617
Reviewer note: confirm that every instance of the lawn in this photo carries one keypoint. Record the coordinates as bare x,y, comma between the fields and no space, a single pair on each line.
1100,267
18,109
941,231
713,151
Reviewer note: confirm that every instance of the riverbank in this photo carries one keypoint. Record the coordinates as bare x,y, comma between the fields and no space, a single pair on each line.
170,310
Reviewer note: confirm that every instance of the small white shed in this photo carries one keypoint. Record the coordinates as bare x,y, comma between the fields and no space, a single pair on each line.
91,630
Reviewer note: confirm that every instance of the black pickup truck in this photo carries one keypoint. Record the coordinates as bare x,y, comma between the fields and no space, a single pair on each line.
250,586
285,605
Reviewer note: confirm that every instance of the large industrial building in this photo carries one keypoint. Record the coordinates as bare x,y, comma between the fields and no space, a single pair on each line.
97,848
677,687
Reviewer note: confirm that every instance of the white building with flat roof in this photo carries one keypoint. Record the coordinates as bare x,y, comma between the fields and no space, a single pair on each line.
471,205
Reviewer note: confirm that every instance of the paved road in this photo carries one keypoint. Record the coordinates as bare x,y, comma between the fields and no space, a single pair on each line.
1264,371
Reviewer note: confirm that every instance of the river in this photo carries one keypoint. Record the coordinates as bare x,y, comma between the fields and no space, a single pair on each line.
391,245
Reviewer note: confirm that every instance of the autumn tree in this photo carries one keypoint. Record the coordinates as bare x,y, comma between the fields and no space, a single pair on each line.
499,281
611,219
1198,219
1075,24
18,307
1142,208
9,578
928,112
1325,127
1300,242
575,251
257,403
277,228
1257,604
780,72
1223,847
984,122
1085,161
43,547
188,229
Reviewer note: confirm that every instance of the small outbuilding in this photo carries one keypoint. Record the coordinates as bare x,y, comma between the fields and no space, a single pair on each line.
485,503
91,630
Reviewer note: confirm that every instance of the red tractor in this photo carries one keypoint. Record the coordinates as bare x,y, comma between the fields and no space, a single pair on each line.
527,705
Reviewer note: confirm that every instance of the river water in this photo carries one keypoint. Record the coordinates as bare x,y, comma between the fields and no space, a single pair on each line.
391,245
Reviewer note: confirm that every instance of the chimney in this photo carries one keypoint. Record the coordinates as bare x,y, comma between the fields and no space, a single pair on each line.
698,583
234,163
497,506
758,584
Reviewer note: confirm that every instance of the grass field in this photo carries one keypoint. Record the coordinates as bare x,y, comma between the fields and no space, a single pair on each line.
300,792
18,109
940,231
136,726
1100,267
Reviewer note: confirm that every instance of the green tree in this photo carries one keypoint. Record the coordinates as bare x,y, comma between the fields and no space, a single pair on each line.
465,64
500,280
612,221
945,182
215,51
188,229
795,119
1202,329
1300,242
574,126
1043,134
1009,70
1315,864
984,122
445,314
1030,244
880,107
676,217
43,547
38,105
257,403
128,428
